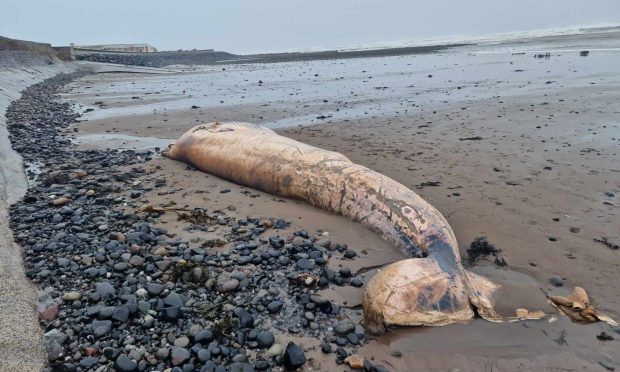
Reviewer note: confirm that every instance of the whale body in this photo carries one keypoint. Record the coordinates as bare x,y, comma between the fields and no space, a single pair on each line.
430,288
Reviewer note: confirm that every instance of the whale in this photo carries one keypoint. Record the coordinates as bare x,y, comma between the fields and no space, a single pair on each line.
431,287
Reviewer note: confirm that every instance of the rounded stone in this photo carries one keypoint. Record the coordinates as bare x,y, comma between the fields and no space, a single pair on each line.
265,339
344,327
181,342
179,355
126,364
229,285
72,296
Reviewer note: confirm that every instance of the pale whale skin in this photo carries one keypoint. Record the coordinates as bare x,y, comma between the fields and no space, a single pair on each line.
431,289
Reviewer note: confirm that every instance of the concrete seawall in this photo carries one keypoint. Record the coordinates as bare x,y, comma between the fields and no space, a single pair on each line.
21,339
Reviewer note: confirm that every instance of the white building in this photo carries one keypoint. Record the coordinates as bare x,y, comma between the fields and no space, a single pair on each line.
129,48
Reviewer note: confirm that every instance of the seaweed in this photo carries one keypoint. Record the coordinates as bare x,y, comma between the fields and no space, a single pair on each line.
222,325
198,216
184,271
480,248
605,241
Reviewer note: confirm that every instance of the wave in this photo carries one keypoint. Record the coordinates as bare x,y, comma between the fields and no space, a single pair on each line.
487,39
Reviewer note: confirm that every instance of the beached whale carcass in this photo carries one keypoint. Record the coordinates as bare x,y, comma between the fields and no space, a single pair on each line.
431,288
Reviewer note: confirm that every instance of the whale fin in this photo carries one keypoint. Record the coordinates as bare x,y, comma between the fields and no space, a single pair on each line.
482,296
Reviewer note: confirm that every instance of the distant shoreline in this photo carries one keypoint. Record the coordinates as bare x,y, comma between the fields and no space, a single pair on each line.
210,57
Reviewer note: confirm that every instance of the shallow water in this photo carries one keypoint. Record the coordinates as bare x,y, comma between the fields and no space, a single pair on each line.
334,90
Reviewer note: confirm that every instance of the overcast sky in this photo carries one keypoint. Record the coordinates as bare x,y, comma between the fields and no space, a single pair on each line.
283,25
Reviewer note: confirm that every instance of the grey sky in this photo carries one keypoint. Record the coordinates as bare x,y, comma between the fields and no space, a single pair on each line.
280,25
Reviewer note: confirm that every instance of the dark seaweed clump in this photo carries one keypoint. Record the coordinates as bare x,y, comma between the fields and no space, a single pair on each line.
481,248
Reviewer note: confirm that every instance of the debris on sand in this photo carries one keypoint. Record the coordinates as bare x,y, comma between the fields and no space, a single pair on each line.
605,241
525,314
604,336
355,361
577,307
428,183
480,248
476,138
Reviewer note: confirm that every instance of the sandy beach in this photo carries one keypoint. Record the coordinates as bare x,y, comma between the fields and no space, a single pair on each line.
519,149
133,261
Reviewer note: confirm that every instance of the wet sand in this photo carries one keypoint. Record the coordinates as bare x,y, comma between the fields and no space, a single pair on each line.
528,158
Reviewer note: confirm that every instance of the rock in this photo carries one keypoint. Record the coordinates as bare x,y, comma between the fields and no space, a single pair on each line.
54,351
105,290
204,355
181,342
174,302
265,339
305,264
228,286
344,327
274,350
556,281
125,364
172,312
341,353
72,296
240,358
155,289
121,313
118,236
101,328
49,312
63,262
136,261
326,347
325,243
246,320
60,201
111,353
148,321
141,293
174,299
88,362
106,312
293,357
161,251
240,367
345,272
162,353
355,361
261,365
66,211
353,339
275,306
205,336
357,282
349,254
179,355
120,266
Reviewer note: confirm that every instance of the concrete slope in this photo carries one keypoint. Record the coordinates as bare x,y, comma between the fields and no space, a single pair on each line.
21,339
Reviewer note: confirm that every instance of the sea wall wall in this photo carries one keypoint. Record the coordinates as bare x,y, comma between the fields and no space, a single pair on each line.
21,340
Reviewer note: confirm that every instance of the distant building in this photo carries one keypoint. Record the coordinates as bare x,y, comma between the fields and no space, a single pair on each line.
128,48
